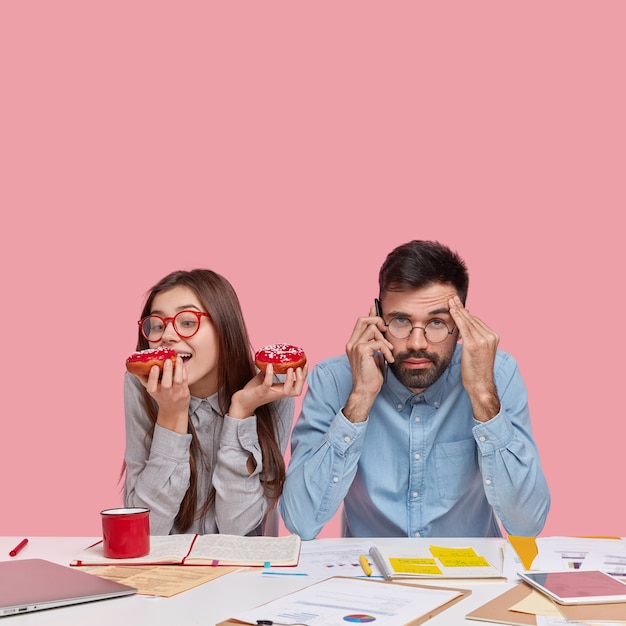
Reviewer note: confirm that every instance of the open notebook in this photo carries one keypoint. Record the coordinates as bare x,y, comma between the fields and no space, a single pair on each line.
35,584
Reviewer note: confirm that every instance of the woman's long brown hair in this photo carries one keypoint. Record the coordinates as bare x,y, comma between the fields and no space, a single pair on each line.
235,368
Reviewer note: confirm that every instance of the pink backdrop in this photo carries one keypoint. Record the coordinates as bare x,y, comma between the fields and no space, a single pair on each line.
290,146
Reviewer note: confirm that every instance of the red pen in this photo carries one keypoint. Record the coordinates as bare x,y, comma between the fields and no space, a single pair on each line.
18,548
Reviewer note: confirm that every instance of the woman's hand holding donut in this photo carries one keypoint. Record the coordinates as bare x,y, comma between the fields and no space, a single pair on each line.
263,389
171,393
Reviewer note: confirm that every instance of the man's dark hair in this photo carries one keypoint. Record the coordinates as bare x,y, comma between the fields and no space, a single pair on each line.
418,264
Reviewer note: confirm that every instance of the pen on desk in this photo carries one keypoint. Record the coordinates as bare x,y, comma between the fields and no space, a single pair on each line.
365,565
269,622
18,548
379,561
284,574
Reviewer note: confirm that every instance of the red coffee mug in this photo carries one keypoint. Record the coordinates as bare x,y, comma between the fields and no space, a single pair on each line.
125,532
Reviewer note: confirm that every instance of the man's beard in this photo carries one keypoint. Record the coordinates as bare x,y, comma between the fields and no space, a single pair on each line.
419,378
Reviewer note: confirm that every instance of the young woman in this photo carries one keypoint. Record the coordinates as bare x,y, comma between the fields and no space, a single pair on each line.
205,441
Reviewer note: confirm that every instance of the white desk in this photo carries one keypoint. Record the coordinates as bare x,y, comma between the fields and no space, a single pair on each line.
223,597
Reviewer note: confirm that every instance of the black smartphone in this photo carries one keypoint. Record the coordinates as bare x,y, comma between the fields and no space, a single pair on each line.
379,312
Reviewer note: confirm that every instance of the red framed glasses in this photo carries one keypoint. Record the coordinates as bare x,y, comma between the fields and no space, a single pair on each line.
186,324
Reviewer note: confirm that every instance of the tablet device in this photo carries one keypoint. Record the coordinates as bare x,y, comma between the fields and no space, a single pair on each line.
577,586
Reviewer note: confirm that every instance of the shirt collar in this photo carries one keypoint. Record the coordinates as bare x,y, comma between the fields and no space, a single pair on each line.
212,401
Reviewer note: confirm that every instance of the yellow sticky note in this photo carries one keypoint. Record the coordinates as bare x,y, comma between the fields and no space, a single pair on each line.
415,566
464,561
440,551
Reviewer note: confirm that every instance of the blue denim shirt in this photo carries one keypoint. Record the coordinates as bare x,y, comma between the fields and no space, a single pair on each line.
420,465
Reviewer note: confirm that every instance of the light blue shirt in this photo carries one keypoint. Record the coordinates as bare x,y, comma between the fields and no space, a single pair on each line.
420,465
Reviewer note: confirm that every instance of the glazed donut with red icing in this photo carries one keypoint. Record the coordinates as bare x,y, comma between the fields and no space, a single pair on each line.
281,355
140,363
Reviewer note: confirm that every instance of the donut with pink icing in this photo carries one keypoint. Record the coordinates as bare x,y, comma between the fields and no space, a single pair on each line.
140,363
282,356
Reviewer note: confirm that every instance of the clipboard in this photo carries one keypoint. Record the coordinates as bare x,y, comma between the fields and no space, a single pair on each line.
461,593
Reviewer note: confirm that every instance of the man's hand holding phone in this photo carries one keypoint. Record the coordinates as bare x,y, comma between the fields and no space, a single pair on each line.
368,351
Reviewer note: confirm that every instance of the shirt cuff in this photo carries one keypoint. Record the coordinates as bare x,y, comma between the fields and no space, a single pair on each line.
494,434
343,434
240,433
168,444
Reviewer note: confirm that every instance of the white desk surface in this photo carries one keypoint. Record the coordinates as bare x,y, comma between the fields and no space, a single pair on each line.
223,597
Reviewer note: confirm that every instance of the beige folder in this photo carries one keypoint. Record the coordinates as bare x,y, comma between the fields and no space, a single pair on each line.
499,610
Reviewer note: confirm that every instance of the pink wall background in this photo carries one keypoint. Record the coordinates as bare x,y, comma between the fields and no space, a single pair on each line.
290,146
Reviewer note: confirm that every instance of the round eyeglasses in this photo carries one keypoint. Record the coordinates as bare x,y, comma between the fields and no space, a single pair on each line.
435,331
186,324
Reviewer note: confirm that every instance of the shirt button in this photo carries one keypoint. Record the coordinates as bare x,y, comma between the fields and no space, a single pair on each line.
417,535
335,479
399,407
487,482
482,438
346,439
417,457
417,419
436,405
414,494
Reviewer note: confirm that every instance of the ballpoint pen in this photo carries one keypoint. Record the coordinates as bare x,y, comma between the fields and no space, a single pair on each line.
18,548
283,574
269,622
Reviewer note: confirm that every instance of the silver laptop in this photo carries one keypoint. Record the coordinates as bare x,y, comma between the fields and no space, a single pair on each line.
35,584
